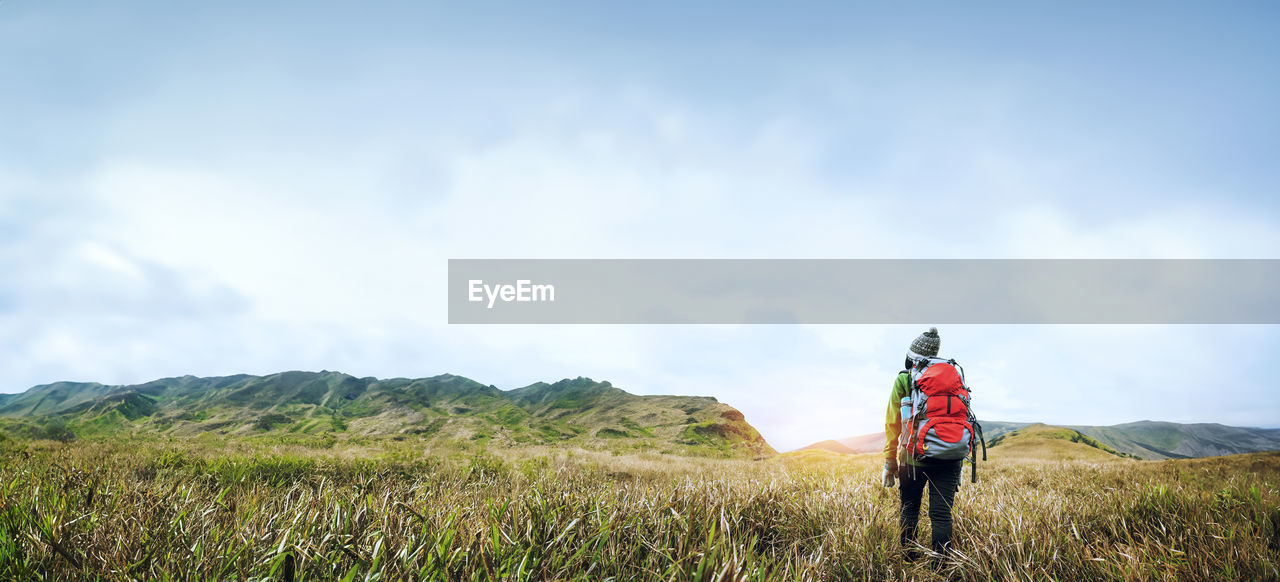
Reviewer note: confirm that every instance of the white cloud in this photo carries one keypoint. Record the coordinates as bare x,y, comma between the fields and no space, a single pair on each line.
1179,230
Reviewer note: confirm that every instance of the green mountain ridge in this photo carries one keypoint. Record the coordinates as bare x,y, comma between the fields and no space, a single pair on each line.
1149,439
329,405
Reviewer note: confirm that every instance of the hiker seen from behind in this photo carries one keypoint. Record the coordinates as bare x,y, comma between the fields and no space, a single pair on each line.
929,430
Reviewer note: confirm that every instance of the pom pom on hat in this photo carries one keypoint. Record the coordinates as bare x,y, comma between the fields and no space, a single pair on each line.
926,345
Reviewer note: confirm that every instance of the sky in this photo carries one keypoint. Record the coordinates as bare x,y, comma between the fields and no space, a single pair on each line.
245,187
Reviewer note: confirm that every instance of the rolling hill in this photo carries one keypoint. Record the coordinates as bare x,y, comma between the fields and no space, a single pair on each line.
874,442
1169,440
868,443
1026,443
831,446
1143,440
1044,442
327,404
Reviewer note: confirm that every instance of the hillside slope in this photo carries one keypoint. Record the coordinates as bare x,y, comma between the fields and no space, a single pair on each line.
874,442
867,443
1044,442
331,404
1169,440
830,446
1144,440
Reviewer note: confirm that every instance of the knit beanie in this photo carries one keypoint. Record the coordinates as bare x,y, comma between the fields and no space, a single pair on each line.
925,346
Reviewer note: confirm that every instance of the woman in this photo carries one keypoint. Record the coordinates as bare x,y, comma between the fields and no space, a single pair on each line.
941,477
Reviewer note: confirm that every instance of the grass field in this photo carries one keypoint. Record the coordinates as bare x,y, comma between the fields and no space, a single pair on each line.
151,510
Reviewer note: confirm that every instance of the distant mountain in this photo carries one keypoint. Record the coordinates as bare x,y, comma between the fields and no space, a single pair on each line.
1143,440
993,429
867,443
829,445
1169,440
332,405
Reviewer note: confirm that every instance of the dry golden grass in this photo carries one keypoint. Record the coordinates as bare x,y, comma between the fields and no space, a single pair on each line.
117,510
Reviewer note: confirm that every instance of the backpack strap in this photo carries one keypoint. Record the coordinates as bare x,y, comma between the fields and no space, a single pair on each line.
973,451
973,465
912,437
904,440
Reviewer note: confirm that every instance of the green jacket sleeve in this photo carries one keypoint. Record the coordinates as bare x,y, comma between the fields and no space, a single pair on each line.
893,418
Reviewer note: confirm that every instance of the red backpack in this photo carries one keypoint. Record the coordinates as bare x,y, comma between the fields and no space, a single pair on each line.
937,421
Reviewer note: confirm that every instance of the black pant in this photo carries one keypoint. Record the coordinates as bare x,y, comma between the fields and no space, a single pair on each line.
943,479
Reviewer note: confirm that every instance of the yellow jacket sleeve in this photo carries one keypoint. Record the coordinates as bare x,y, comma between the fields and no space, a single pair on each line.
893,418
